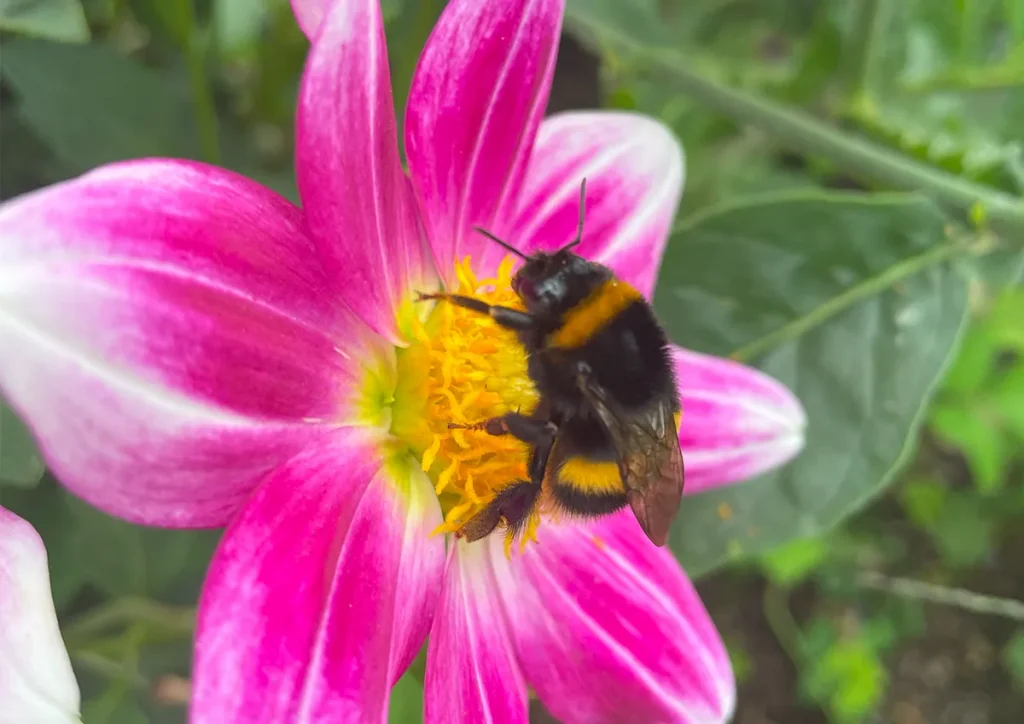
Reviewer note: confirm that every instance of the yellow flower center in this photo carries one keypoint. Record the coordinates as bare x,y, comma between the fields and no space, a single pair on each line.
462,368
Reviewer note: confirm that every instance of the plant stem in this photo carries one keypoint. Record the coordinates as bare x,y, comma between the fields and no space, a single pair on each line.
858,57
779,617
109,668
202,96
1007,76
807,134
957,597
128,610
775,607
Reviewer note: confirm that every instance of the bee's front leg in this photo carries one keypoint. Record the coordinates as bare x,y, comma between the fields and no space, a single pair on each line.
504,316
530,430
539,433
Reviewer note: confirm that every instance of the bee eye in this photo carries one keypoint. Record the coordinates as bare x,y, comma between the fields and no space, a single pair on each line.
523,287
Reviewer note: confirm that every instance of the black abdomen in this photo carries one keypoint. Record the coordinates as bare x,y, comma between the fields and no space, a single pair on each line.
629,357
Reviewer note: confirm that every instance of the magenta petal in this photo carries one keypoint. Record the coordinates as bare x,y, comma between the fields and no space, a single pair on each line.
472,674
166,332
476,100
309,14
182,217
737,421
634,171
321,591
609,629
36,680
357,200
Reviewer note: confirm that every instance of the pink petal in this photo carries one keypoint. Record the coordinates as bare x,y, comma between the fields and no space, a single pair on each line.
609,629
166,332
472,674
309,14
183,217
36,680
322,590
476,100
737,421
358,204
634,170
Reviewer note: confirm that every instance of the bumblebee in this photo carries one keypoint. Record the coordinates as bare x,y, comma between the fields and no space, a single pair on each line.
605,432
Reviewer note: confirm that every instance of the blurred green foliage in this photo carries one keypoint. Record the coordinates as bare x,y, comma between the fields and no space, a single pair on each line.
800,119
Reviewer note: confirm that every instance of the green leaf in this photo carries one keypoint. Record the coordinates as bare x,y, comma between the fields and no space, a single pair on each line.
170,19
1013,659
106,550
114,707
239,25
853,302
59,20
855,678
639,19
92,106
391,9
20,462
1006,319
924,500
964,531
743,665
979,438
406,701
789,564
974,363
1009,399
87,546
928,66
27,163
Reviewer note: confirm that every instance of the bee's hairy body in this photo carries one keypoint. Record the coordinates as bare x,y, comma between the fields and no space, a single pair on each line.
604,434
627,355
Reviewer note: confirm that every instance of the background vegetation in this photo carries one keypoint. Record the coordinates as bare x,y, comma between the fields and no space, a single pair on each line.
872,580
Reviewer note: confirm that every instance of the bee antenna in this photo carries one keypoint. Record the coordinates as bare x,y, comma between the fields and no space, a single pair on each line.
579,226
503,244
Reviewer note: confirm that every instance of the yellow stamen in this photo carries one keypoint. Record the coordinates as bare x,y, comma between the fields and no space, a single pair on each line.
463,368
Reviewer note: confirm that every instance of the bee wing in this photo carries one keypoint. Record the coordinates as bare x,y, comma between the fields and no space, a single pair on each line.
651,465
650,461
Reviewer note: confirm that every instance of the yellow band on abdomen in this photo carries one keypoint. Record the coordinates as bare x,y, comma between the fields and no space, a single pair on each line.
591,476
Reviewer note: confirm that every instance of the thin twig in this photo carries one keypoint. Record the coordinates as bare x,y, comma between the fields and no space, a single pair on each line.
945,595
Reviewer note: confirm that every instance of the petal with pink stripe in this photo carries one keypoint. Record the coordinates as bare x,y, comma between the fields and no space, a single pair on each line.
166,333
609,629
477,98
472,673
359,207
182,217
36,680
321,591
737,421
634,170
309,14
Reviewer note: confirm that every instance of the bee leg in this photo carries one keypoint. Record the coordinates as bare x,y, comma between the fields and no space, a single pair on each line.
540,434
504,316
540,457
512,506
522,427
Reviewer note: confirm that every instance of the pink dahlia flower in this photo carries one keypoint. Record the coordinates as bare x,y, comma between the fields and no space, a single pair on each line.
192,350
36,681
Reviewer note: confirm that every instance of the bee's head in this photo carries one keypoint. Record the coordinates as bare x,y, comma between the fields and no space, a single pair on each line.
551,284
